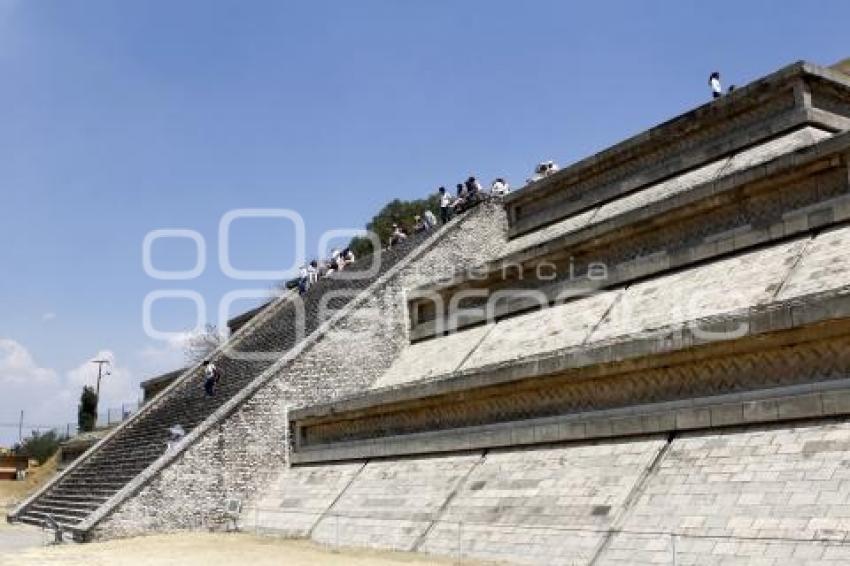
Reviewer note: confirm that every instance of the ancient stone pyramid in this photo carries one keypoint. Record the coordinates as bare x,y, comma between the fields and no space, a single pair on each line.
646,353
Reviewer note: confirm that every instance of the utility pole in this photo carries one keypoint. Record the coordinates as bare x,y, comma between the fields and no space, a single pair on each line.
99,374
21,428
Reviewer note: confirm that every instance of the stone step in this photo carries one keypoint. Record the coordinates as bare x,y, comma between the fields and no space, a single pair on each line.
82,503
58,510
130,464
82,486
38,517
90,495
74,498
92,476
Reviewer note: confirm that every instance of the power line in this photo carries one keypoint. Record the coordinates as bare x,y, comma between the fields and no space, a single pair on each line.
30,425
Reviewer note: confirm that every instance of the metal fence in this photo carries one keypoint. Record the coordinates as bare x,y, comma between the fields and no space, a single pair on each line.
109,417
114,415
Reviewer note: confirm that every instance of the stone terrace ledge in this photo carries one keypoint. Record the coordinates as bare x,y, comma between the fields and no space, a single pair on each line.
789,348
767,201
801,93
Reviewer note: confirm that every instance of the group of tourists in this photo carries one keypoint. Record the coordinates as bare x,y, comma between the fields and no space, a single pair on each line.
319,269
468,194
542,170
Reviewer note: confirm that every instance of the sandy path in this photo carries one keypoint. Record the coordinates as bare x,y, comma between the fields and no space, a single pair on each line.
13,491
15,538
201,549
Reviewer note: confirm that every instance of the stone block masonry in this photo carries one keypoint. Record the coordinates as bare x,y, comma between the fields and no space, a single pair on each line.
393,503
550,504
774,495
605,430
296,501
245,449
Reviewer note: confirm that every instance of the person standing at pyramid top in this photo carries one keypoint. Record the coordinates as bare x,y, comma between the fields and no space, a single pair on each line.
716,87
445,205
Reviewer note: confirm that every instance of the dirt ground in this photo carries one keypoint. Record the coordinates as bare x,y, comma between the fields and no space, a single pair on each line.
201,549
13,491
16,538
22,545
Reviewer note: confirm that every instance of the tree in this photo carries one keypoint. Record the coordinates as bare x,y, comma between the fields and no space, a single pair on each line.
200,345
39,446
87,411
401,212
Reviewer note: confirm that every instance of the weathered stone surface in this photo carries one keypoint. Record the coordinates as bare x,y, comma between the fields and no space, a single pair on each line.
774,495
391,503
247,448
728,494
563,227
538,506
292,504
731,496
547,330
432,358
720,287
824,266
716,169
726,286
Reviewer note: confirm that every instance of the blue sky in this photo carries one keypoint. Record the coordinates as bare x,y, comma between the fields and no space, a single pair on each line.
121,117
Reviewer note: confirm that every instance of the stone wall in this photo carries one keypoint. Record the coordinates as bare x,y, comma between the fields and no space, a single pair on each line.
709,290
679,183
298,498
688,219
246,449
776,495
392,503
551,503
773,495
761,496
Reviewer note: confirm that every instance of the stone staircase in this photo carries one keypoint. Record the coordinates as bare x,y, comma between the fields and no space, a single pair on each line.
132,448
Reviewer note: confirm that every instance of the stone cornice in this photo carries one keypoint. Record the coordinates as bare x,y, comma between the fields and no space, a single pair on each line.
835,148
822,314
693,138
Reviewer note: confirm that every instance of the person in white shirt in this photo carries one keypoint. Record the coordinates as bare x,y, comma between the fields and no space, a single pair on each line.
716,87
430,219
500,187
175,435
211,377
445,204
337,263
397,236
543,170
303,279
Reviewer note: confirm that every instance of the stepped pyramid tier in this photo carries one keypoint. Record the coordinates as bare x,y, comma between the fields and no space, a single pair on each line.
650,348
